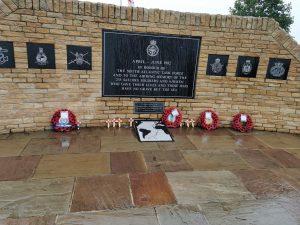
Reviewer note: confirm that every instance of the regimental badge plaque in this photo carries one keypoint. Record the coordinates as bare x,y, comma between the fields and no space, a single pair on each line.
149,65
79,57
217,65
7,58
41,56
247,66
278,68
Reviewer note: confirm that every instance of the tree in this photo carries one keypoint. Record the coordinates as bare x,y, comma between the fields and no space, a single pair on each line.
275,9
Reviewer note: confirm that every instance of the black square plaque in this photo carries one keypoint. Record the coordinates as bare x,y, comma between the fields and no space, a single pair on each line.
149,65
149,107
217,65
7,58
278,68
79,57
41,56
247,66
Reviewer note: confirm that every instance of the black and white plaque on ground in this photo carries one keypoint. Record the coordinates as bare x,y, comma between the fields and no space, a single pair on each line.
278,68
149,65
217,65
79,57
247,66
7,58
41,56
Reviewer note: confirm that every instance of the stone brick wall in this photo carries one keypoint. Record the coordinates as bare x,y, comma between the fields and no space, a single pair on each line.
28,97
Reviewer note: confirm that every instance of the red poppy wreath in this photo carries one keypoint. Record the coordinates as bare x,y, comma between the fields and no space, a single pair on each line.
208,120
172,118
242,122
64,120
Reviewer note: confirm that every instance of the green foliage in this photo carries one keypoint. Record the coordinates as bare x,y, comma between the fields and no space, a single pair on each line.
275,9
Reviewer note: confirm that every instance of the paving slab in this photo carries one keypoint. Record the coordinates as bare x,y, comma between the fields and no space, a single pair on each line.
248,213
102,192
84,144
127,162
45,220
68,165
281,140
166,161
139,216
295,152
249,142
257,159
125,144
292,205
264,184
219,160
291,175
180,215
192,188
12,147
151,189
35,197
180,143
213,143
46,146
286,159
94,131
18,167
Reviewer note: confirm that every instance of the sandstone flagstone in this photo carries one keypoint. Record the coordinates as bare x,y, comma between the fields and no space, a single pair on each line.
248,142
45,220
151,189
213,143
257,159
180,215
264,184
127,162
138,216
102,192
198,187
166,161
248,213
11,147
69,165
219,160
280,140
180,143
18,167
84,144
284,158
295,152
35,197
125,144
46,146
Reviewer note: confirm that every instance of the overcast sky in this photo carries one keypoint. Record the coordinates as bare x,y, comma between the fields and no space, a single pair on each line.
205,6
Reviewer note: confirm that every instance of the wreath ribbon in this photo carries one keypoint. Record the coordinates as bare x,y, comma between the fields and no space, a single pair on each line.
169,120
72,123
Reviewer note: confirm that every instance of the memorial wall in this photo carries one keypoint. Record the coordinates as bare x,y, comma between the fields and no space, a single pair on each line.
104,61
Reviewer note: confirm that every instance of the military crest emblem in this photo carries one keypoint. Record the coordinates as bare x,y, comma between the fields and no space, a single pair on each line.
217,66
41,58
247,67
152,49
7,58
3,58
277,70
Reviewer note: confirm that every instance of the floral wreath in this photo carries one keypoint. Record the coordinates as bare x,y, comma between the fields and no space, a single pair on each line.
208,123
60,124
237,124
172,118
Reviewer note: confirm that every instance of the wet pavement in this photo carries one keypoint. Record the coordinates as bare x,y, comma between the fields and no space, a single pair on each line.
106,176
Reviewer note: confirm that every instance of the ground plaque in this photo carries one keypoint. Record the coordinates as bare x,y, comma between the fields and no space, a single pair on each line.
148,107
146,65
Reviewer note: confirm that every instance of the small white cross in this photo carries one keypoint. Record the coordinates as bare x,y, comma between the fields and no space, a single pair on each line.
119,121
192,122
187,123
108,123
130,122
113,122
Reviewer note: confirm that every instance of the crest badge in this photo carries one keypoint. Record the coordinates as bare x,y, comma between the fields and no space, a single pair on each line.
79,59
217,66
41,58
277,70
3,58
152,49
247,67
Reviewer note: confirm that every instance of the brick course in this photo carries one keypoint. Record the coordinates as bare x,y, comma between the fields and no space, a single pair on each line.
29,97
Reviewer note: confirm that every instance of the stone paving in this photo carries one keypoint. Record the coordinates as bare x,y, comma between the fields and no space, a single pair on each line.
106,176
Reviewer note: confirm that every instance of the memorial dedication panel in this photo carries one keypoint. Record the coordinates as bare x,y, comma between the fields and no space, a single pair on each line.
145,65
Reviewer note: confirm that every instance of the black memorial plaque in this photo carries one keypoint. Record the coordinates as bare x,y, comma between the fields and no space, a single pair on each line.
41,56
7,58
145,65
247,66
278,68
148,107
217,65
79,57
